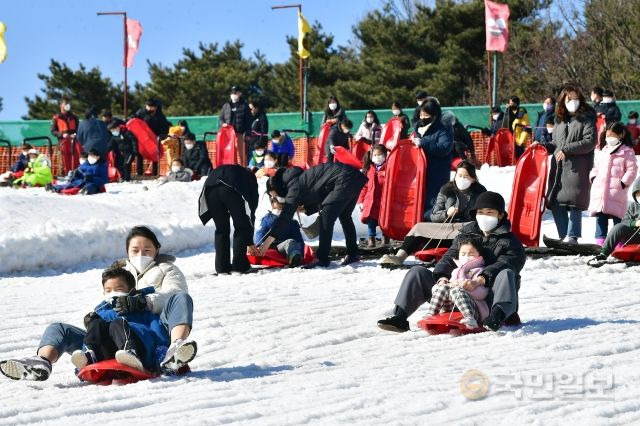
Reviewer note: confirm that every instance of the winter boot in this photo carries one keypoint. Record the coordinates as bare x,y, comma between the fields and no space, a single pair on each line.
394,323
495,319
371,242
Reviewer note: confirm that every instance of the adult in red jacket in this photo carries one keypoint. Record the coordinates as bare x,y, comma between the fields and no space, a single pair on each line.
371,195
64,126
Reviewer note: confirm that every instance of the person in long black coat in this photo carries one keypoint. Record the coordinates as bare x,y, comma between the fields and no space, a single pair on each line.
331,189
230,191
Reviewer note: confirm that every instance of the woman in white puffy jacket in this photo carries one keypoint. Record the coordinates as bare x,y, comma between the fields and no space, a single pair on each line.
170,300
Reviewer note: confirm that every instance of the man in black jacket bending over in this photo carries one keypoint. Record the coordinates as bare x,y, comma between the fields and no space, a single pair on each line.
504,258
231,191
331,189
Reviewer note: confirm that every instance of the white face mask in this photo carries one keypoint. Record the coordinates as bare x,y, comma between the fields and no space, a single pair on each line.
83,160
464,259
140,262
276,211
607,100
378,160
259,152
188,145
333,106
549,130
109,296
276,141
269,164
632,121
463,183
486,223
67,107
369,120
593,98
235,98
25,153
395,112
495,116
92,160
175,169
572,105
612,141
280,199
419,102
115,133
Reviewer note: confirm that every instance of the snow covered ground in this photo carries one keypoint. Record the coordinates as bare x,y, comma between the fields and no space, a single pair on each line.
302,347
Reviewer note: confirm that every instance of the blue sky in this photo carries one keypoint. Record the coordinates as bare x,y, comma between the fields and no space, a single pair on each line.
69,31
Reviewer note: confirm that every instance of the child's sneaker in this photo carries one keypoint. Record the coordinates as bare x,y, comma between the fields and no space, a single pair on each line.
470,323
129,357
295,260
32,368
390,259
180,353
80,359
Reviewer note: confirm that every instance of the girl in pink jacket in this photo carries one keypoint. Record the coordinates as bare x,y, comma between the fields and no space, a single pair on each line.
462,290
613,173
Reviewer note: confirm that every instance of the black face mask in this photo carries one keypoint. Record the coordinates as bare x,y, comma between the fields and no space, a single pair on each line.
425,121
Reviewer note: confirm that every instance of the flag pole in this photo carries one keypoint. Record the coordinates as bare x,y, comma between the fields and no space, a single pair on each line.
489,87
300,84
494,94
126,49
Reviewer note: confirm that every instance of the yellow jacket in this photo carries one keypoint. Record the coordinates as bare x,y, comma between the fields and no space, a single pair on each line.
520,135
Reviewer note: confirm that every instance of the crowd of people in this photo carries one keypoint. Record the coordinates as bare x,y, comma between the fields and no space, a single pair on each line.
146,296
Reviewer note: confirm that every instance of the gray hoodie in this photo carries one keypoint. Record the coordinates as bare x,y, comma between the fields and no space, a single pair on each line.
633,211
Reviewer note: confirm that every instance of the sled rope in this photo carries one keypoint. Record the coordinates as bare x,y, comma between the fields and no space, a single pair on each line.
632,236
440,229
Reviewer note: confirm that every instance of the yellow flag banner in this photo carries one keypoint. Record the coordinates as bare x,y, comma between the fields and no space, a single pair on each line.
3,46
303,41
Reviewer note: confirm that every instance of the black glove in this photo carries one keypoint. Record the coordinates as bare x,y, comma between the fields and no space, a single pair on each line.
90,317
129,304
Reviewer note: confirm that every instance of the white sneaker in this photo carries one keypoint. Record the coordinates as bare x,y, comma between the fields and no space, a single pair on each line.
470,323
180,353
570,240
32,368
129,358
81,359
391,259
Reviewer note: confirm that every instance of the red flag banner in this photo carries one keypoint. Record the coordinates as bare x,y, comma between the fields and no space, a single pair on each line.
134,32
496,17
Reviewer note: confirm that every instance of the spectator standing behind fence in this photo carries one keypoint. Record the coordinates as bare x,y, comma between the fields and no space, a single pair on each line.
436,140
195,156
282,147
369,130
339,135
634,130
333,113
259,126
421,97
574,137
124,147
154,117
235,112
65,123
396,110
462,143
605,104
497,115
93,133
548,110
516,119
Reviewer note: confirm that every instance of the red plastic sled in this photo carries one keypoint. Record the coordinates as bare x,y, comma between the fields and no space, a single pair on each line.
402,204
105,372
343,155
320,156
147,140
447,322
359,149
273,258
428,255
527,195
226,149
391,132
628,253
601,125
76,190
502,145
113,172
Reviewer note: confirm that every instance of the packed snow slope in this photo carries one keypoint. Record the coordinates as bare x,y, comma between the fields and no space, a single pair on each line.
294,347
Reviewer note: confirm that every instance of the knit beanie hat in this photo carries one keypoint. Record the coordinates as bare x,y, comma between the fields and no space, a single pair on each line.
489,200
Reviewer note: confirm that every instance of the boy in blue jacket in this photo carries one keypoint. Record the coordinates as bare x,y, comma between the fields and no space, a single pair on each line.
292,244
282,146
91,175
131,337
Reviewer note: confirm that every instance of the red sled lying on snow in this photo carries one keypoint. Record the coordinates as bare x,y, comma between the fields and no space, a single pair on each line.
628,253
226,149
428,255
76,190
529,186
447,322
402,203
273,258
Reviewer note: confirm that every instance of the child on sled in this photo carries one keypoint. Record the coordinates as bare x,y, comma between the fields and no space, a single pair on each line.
462,290
132,338
292,246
